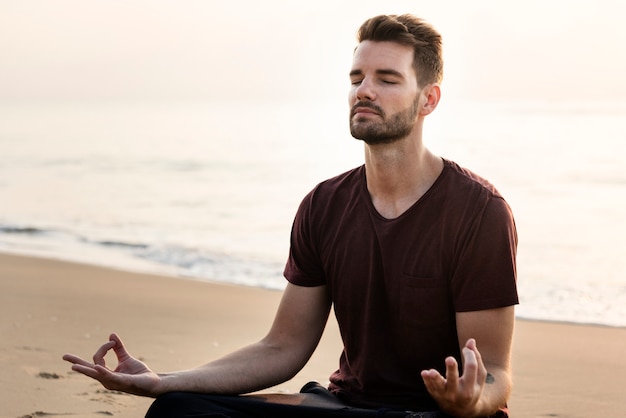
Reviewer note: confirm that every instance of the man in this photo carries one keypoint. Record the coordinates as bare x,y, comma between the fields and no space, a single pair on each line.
415,254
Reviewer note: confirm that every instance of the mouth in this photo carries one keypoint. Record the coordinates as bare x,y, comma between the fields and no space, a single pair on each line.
364,111
361,110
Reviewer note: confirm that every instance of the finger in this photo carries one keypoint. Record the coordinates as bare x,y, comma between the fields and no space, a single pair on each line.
481,371
471,344
435,383
86,370
98,358
119,348
76,360
452,374
97,372
470,367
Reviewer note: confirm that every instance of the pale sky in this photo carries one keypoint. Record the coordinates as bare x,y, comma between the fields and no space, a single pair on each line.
285,49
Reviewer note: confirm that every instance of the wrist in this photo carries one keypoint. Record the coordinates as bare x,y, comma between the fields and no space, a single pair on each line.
163,385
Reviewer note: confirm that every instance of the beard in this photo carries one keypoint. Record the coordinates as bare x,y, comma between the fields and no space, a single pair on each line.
392,128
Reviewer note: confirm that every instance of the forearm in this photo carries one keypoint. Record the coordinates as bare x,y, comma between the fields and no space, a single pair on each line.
255,367
295,332
486,364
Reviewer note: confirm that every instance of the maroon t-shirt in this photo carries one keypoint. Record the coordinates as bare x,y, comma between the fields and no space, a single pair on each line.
396,284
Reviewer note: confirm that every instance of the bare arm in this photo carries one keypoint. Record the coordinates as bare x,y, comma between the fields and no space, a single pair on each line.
485,338
295,332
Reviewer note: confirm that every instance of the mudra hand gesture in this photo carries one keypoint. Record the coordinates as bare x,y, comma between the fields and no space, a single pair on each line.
131,375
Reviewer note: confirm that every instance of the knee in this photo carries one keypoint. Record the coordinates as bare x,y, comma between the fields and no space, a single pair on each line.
187,405
168,405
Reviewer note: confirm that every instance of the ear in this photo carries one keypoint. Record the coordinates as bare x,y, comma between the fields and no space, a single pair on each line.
430,98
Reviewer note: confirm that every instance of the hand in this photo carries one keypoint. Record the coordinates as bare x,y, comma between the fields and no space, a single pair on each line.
458,396
130,375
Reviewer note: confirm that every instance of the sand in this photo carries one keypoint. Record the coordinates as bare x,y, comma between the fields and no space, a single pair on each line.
51,307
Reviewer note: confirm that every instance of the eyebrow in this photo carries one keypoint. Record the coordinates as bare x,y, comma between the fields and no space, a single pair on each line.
379,72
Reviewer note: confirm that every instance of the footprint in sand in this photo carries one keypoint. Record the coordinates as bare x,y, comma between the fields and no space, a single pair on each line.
53,414
47,375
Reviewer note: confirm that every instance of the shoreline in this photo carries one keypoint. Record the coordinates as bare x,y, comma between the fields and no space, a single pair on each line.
152,270
51,307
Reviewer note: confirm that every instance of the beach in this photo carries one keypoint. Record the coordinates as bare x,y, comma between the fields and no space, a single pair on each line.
51,307
149,181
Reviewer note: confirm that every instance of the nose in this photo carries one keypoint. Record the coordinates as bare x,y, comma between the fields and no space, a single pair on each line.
364,91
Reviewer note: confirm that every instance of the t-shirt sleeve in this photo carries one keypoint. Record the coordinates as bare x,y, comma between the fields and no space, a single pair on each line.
485,276
304,267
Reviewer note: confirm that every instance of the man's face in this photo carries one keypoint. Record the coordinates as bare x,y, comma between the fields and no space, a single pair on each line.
384,97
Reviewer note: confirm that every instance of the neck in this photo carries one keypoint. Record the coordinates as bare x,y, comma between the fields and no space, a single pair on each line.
399,174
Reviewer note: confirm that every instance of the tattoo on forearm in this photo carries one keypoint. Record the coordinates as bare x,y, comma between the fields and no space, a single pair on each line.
490,379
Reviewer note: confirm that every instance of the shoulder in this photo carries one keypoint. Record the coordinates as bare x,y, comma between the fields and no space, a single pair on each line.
349,178
472,198
331,195
464,179
344,184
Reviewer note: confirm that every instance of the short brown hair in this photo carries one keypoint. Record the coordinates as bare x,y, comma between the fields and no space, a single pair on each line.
410,31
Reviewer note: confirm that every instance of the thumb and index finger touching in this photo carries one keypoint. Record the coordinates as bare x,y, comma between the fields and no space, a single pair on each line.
115,343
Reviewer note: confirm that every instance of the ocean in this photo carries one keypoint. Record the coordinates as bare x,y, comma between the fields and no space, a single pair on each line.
208,191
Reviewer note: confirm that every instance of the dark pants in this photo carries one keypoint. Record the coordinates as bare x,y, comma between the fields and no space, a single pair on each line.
312,401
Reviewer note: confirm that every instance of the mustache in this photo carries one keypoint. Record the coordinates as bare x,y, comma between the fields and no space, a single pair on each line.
366,105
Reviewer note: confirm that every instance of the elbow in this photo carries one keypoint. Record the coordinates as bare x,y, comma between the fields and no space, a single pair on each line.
285,361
